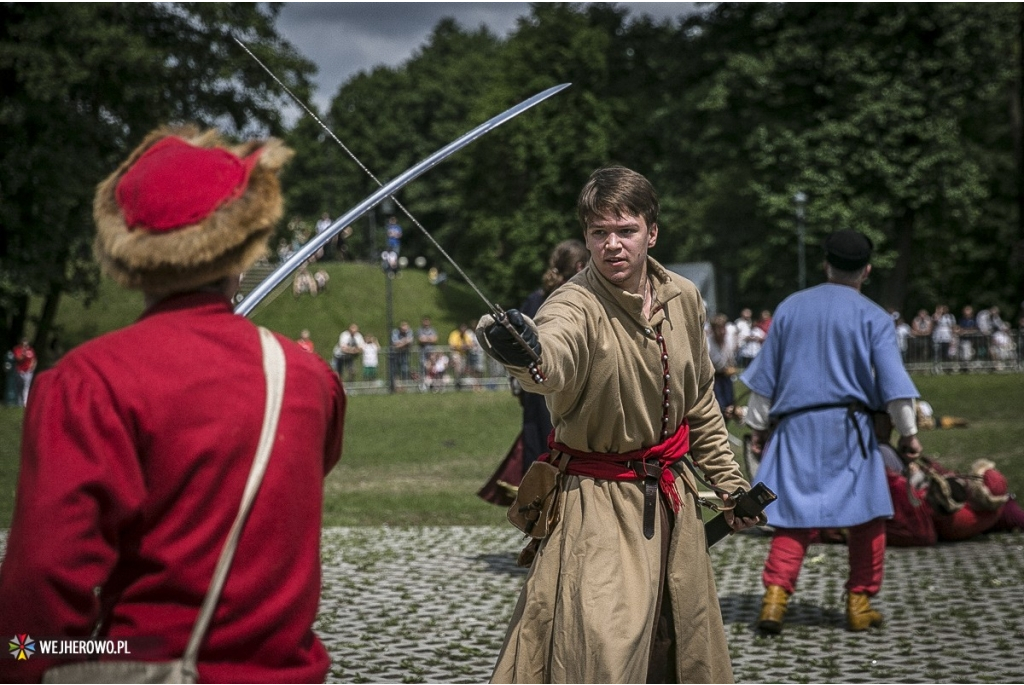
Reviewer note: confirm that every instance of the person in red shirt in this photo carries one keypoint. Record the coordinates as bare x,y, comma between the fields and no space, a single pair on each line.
305,342
25,364
137,445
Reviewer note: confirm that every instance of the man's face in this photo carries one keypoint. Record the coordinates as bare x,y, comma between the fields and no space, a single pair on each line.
618,247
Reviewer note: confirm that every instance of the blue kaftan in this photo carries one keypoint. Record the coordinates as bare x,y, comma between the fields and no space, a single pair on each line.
827,345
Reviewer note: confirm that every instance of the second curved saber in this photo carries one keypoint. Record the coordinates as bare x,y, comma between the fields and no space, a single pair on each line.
282,272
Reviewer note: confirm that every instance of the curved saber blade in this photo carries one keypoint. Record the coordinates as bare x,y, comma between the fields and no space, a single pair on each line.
315,243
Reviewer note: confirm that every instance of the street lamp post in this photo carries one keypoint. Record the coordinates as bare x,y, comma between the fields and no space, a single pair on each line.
371,233
387,207
801,199
389,317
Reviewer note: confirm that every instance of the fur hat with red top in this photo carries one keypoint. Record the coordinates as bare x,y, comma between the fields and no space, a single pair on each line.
187,209
988,489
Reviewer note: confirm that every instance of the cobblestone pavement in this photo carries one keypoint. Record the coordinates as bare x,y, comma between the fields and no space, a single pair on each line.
432,604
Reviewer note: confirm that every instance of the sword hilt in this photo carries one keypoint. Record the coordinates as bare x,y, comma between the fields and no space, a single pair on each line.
534,367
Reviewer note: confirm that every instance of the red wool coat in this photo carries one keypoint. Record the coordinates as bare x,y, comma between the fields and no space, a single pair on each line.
136,449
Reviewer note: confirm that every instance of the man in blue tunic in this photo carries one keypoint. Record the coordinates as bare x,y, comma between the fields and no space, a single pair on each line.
830,360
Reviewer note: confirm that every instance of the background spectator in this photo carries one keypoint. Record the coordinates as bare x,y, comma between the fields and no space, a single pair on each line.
722,350
459,344
304,282
902,336
426,336
401,344
350,343
943,324
25,364
371,354
765,322
322,225
304,341
394,235
921,326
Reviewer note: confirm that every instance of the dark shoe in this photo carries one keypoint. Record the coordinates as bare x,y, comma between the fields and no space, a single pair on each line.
773,610
859,614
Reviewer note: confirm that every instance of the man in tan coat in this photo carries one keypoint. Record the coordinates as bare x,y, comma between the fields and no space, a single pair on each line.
622,589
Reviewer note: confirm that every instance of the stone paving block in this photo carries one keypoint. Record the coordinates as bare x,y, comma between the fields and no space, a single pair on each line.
433,604
402,605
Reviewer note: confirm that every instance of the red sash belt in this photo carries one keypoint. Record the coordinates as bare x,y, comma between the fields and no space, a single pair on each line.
630,465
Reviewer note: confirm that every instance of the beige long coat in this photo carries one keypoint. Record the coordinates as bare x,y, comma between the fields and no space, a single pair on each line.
586,612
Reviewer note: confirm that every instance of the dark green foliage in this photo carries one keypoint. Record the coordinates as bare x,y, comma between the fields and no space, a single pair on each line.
82,84
893,119
900,120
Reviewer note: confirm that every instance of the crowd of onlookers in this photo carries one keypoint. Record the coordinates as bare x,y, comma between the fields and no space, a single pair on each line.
940,336
934,337
420,358
414,358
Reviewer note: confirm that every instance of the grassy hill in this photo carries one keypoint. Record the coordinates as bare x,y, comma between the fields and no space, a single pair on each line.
356,293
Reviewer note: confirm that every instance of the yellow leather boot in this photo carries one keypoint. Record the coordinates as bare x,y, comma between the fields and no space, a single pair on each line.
859,614
773,609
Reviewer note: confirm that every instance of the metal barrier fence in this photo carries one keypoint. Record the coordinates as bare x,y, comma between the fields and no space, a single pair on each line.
442,370
438,369
1000,351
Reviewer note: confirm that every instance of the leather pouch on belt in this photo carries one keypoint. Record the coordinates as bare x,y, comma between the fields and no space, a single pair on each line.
534,511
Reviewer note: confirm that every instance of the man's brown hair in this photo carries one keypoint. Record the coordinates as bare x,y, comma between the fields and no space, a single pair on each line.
617,191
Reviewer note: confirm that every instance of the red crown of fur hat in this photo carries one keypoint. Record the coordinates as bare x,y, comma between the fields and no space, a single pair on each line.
175,184
988,489
186,209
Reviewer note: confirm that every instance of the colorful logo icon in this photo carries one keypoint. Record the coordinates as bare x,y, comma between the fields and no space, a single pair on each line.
22,647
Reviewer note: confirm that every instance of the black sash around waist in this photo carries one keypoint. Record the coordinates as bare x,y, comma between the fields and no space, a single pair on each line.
852,408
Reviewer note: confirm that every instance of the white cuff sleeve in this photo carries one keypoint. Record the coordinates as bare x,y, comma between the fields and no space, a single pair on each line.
903,415
758,408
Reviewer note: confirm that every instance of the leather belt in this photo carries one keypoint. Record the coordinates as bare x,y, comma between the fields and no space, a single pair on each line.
652,476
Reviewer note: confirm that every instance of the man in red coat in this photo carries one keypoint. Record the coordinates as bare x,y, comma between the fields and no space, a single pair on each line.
138,444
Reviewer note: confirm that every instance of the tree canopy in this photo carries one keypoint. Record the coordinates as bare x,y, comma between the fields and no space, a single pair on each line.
903,121
82,84
891,119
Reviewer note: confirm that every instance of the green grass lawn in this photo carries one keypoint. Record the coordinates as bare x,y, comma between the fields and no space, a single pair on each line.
418,459
992,405
407,459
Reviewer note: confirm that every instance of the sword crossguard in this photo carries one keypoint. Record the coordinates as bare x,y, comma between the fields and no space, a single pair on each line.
534,367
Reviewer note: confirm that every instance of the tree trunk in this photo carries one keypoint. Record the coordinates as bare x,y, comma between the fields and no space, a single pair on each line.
894,293
1017,131
13,320
45,325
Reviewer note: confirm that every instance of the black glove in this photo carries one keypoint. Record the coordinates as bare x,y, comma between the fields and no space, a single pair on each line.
506,349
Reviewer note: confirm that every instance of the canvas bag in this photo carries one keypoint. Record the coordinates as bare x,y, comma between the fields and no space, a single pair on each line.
534,510
185,669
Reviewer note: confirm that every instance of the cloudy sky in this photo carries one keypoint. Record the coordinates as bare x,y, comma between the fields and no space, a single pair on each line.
343,38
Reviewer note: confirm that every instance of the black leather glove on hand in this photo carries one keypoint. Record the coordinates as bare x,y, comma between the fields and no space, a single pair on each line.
506,348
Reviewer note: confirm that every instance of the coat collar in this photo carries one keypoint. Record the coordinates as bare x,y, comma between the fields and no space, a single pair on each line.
664,288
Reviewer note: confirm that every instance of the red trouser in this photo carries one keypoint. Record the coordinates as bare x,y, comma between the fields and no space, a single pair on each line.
866,544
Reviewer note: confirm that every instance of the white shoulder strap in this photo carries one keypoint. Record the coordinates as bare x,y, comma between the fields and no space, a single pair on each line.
274,370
